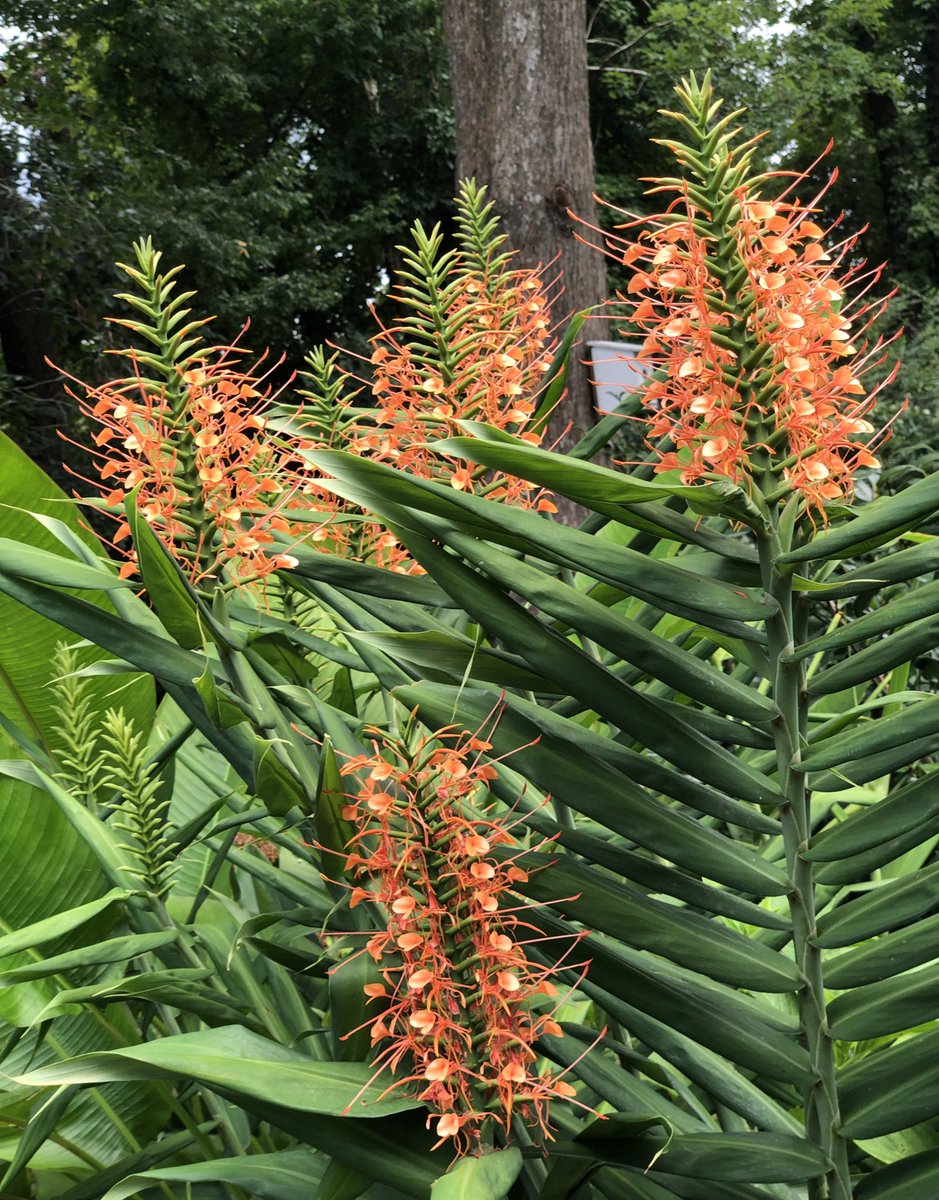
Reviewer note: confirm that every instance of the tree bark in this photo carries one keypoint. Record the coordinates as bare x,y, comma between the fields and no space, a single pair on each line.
519,76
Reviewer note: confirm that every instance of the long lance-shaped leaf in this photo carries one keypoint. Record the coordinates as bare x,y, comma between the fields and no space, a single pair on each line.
179,988
876,766
857,868
913,1178
630,641
450,658
628,1081
716,728
52,928
350,576
917,721
725,1021
393,1149
889,1006
558,757
263,625
718,1077
585,482
654,877
94,1187
661,583
111,950
883,656
641,769
893,568
390,615
486,1177
158,656
584,895
880,522
904,810
891,1089
242,1063
133,641
888,906
284,1175
745,1157
915,605
623,706
170,592
884,957
42,566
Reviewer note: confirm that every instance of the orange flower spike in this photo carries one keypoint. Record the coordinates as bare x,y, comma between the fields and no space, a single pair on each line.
458,997
192,440
742,313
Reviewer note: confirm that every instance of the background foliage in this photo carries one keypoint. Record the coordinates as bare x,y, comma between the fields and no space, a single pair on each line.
280,149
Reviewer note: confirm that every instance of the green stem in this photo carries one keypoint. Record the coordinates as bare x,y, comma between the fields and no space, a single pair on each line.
822,1115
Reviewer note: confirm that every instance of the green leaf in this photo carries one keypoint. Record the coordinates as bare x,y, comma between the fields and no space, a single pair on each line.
132,643
62,923
41,566
44,1120
913,605
887,906
917,721
581,676
636,574
393,1150
487,1177
585,482
285,1175
892,1088
333,832
52,891
48,542
888,1006
342,1182
915,1178
170,591
891,568
155,1151
222,707
112,950
627,639
655,877
448,657
885,956
555,381
349,1007
606,906
878,659
732,1024
351,576
280,788
240,1063
907,809
730,1157
879,522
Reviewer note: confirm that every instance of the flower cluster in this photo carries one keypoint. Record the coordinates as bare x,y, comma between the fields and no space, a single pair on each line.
211,484
461,1003
757,349
495,378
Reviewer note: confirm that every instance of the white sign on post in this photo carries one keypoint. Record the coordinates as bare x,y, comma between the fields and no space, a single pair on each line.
616,371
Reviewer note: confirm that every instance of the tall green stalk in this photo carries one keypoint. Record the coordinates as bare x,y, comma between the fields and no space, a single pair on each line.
785,630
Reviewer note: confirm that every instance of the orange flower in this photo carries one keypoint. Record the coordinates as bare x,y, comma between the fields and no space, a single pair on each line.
758,348
463,1004
212,485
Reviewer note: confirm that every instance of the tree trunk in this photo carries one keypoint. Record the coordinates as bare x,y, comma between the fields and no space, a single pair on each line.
519,76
